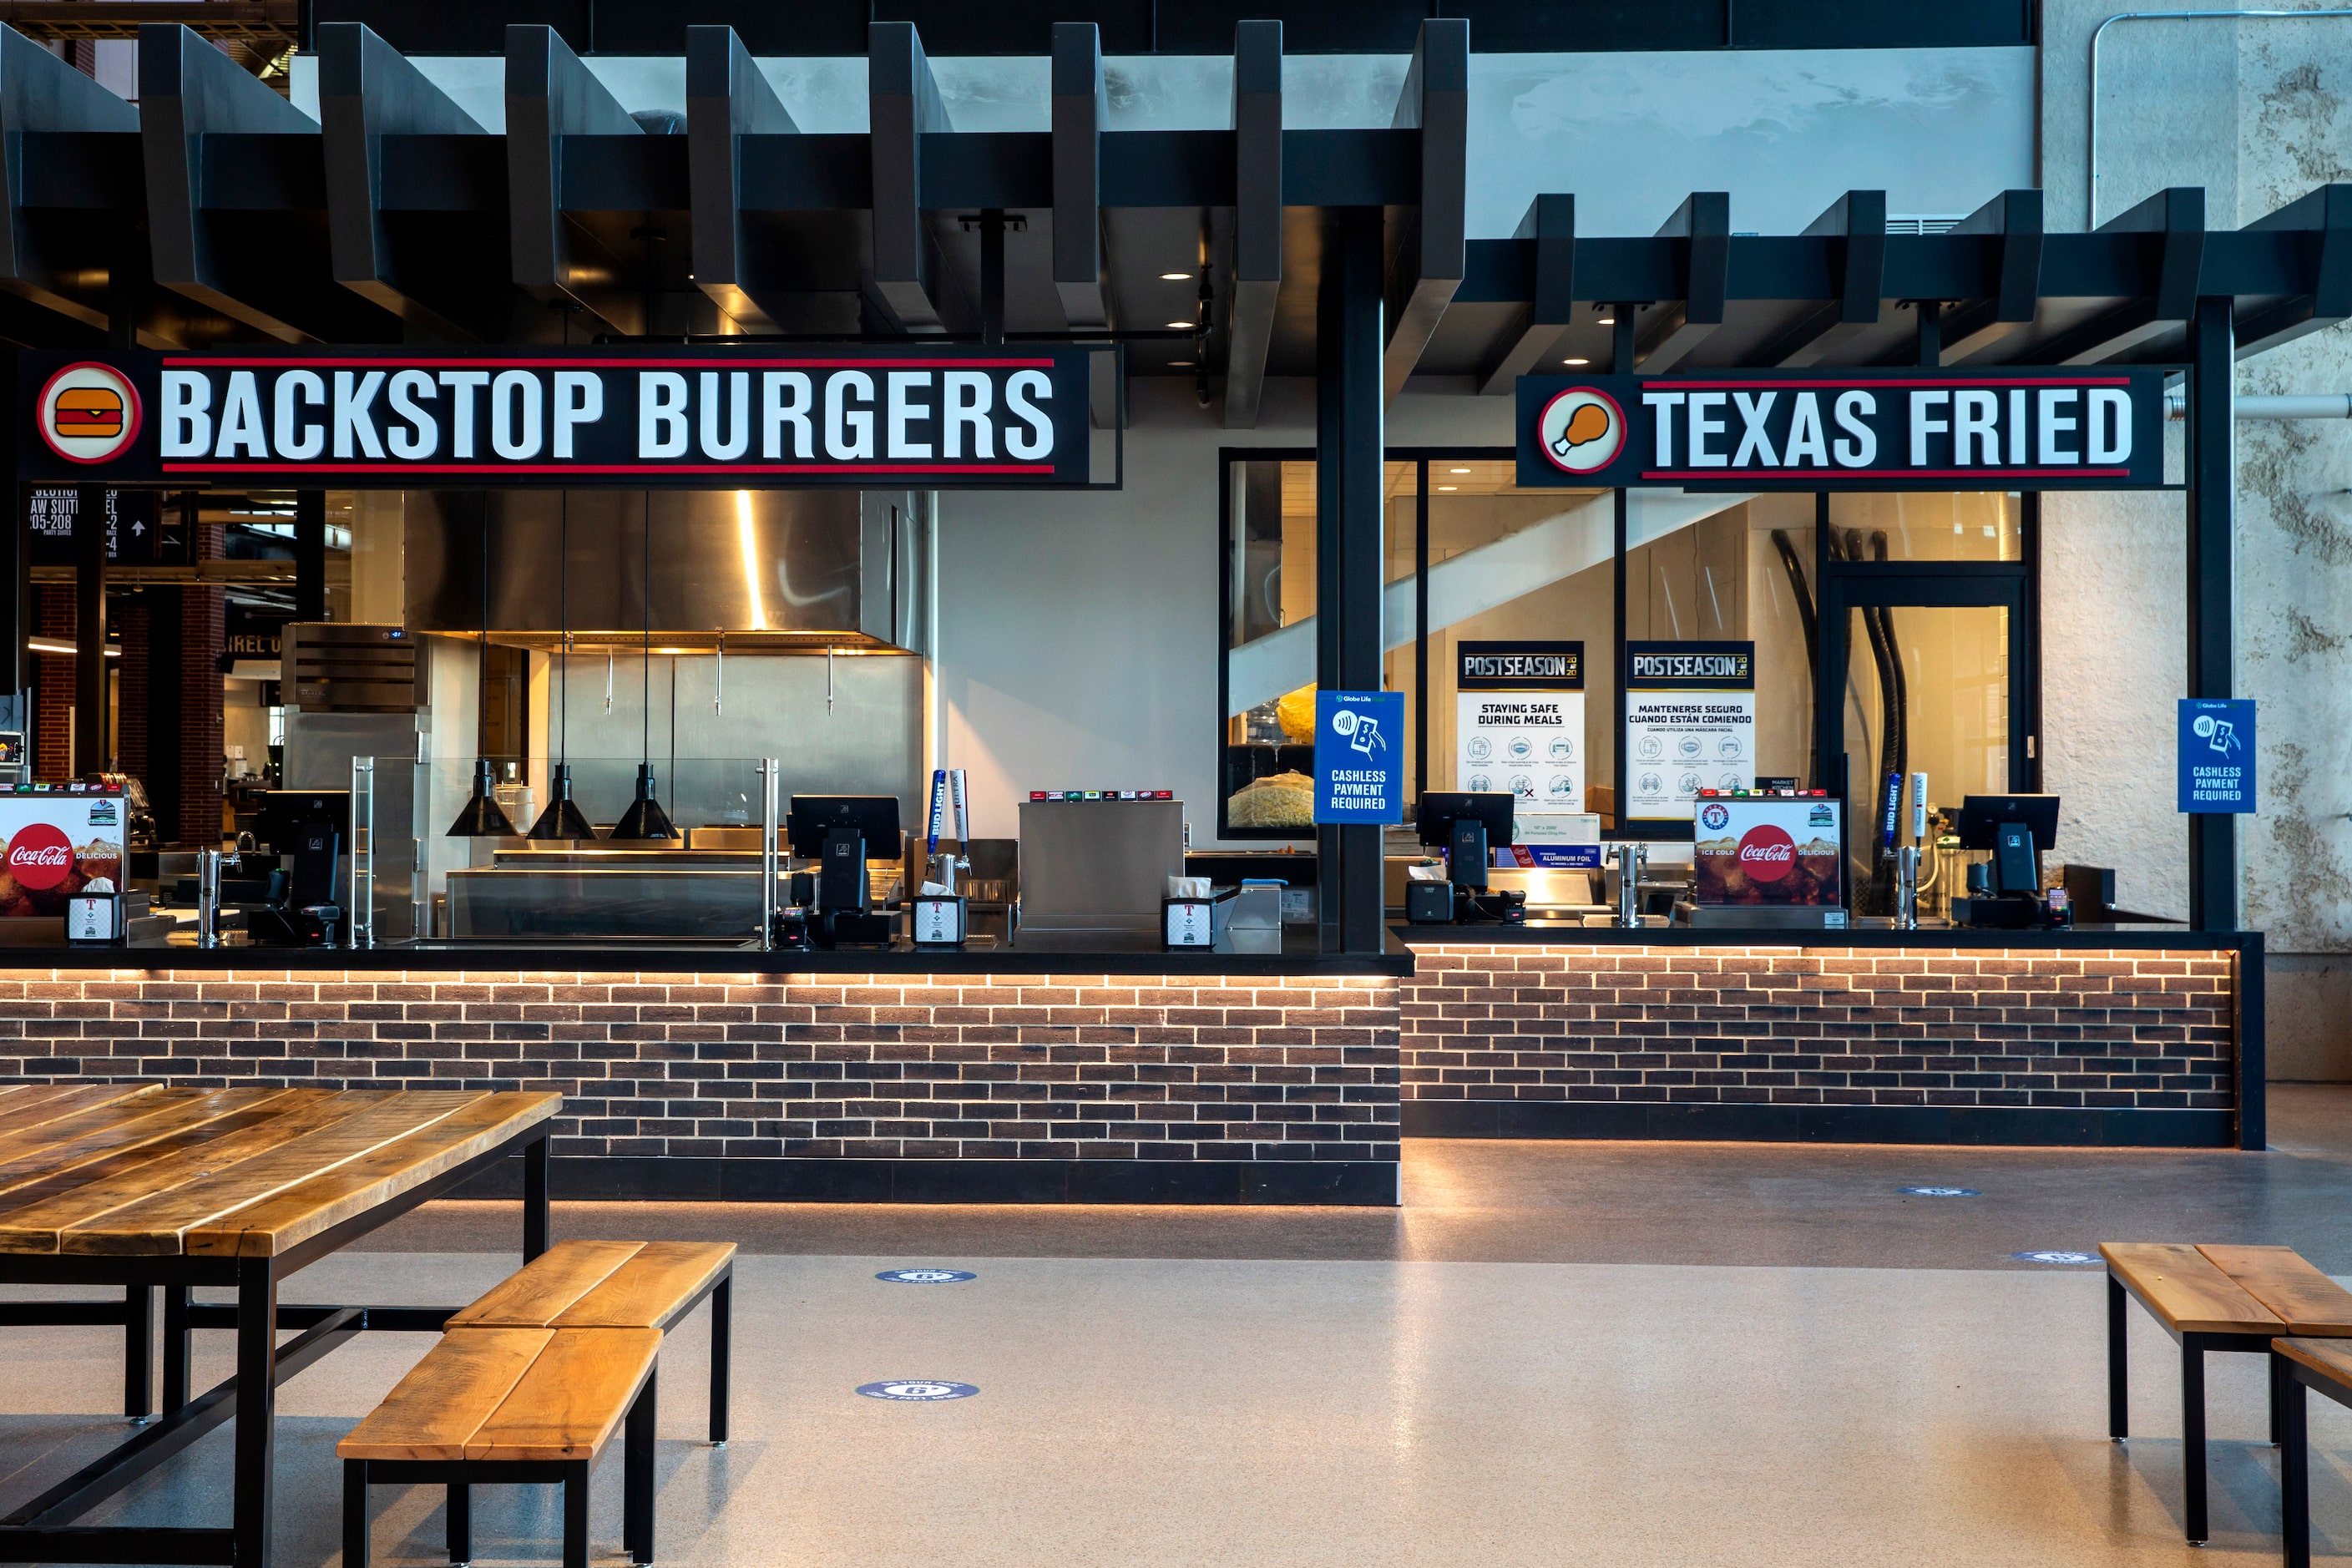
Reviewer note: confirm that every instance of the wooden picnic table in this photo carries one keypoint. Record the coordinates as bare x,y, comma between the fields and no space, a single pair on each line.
142,1185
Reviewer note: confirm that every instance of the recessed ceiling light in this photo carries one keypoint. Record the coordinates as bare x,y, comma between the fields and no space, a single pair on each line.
1449,487
1576,358
1175,278
1608,320
1180,326
1181,363
1457,470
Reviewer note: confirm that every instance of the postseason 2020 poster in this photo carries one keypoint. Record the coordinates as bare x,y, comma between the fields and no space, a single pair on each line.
1520,722
1690,724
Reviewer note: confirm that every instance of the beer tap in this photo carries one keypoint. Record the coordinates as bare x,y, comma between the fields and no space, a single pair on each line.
1632,858
210,864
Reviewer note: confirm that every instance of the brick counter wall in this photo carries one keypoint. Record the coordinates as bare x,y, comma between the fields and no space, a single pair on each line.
842,1086
1998,1045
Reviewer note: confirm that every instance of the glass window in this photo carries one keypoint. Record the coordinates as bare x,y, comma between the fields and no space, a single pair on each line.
1270,576
1929,525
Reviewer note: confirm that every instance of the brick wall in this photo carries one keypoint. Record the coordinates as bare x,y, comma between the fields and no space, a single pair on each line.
1973,1028
765,1068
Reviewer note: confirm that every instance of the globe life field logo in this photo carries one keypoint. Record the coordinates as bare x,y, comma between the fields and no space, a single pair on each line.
88,413
1582,430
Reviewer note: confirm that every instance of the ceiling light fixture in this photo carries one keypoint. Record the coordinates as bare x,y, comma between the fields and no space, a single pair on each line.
1175,278
1457,470
1608,320
1449,487
1179,326
1576,358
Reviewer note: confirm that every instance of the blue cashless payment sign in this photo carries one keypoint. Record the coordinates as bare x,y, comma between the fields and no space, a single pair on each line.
2217,754
1359,756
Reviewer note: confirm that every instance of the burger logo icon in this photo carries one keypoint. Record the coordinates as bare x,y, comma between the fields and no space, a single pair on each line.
88,413
1582,430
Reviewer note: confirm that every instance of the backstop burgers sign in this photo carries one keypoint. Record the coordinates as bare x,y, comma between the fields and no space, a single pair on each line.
57,842
706,416
2099,427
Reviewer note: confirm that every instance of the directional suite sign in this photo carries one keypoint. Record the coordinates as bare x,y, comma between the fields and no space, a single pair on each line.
705,416
2029,428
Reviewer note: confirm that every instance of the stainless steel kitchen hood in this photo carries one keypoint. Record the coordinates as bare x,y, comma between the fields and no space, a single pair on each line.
779,567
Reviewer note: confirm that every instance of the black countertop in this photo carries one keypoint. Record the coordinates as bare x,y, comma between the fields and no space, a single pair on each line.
681,959
2136,936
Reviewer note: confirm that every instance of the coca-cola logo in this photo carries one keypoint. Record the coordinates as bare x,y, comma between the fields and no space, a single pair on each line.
1767,853
39,855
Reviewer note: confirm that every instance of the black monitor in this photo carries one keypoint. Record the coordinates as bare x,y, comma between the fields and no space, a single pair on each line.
1440,811
2017,828
285,814
1982,814
873,816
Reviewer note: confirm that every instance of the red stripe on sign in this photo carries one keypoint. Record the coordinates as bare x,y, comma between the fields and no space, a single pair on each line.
487,469
1972,381
732,361
2074,473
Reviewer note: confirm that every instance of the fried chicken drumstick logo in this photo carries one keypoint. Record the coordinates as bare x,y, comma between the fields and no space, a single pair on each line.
1582,430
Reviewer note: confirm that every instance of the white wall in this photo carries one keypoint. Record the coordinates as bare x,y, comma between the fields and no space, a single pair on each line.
1078,634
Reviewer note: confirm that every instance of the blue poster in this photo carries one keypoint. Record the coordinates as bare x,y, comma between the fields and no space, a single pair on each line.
2217,754
1359,756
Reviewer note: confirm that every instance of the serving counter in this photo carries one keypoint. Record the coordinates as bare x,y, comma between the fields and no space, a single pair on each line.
2140,1034
1004,1075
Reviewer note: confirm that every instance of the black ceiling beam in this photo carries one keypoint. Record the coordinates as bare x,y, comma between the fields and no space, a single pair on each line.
2169,231
41,94
1081,111
189,92
727,100
552,98
1856,227
2318,228
1701,230
1426,267
904,107
1259,168
1549,225
1980,331
368,89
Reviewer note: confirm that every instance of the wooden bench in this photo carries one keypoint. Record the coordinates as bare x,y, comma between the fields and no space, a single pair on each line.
2296,1364
530,1382
2214,1297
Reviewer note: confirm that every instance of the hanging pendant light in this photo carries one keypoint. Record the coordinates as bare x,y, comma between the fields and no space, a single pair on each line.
482,817
561,820
646,820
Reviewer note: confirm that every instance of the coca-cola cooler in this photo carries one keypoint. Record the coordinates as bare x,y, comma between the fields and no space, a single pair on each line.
60,837
1770,861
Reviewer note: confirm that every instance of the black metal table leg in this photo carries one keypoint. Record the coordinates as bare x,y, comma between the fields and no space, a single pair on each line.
460,1511
176,1347
722,1330
575,1516
2294,1466
355,1513
257,1407
139,1353
2193,1435
2279,1380
638,1472
2119,1364
534,1199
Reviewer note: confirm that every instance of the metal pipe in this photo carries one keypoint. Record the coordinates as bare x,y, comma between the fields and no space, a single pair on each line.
2091,195
770,768
2273,405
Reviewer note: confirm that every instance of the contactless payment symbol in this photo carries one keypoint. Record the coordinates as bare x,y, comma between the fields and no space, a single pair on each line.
1582,430
88,413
